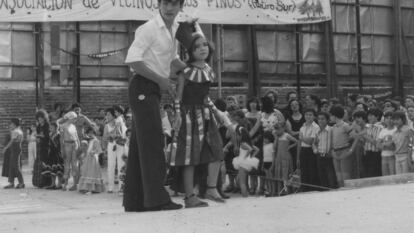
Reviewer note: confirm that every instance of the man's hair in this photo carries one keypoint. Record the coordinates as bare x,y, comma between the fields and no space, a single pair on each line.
181,1
310,110
324,114
388,114
118,108
111,111
15,121
220,104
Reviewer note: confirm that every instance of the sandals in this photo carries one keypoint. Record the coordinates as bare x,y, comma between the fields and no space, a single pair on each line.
212,197
192,202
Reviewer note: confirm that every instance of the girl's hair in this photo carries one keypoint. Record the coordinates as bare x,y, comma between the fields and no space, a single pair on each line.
54,124
267,105
364,106
360,114
274,94
111,111
251,100
337,111
316,100
245,137
375,112
192,49
118,108
15,121
280,125
42,114
399,115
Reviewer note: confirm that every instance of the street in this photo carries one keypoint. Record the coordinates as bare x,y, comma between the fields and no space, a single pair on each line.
376,209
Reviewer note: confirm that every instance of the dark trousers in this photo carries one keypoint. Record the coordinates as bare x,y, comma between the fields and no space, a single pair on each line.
146,166
308,168
372,164
326,172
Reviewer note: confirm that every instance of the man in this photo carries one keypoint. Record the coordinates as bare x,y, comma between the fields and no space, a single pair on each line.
150,56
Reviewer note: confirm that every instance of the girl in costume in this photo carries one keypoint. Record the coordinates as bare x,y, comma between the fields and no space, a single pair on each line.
198,138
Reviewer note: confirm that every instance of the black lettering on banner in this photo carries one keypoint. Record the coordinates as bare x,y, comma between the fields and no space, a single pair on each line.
91,4
280,5
227,4
50,5
191,3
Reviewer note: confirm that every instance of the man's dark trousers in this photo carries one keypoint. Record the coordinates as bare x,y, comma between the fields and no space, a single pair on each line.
146,168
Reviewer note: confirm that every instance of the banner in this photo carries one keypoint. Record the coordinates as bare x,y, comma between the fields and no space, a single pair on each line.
208,11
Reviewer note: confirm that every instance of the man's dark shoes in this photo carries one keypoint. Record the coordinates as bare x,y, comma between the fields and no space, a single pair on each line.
10,186
20,186
169,206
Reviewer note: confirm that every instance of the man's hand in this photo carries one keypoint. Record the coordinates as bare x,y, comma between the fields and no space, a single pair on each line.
167,84
177,123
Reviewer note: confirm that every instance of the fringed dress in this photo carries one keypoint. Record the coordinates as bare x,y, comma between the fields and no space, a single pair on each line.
198,139
53,165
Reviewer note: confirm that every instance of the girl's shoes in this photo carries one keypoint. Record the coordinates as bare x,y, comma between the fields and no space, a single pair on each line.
20,186
192,202
10,186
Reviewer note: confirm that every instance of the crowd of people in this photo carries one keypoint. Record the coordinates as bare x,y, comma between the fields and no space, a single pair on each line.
65,144
263,145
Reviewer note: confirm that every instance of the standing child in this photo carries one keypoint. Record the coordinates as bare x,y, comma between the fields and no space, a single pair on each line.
372,157
385,143
401,139
122,173
198,140
341,150
15,146
246,160
53,165
268,150
31,146
282,165
91,178
323,150
306,158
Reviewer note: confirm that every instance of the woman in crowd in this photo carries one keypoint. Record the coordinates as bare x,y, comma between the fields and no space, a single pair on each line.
43,138
294,121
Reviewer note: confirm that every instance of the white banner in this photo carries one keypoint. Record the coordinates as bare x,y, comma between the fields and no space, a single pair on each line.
208,11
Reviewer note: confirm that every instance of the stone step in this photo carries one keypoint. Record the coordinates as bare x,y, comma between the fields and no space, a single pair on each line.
381,180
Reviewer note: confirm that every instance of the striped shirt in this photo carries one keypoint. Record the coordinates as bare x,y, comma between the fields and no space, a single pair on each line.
373,131
323,141
308,131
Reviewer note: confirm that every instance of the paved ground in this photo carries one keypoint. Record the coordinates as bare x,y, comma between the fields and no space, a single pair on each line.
385,209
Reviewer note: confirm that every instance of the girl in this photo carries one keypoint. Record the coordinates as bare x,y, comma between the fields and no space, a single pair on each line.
15,146
268,150
253,115
198,140
91,178
31,147
53,166
282,160
246,160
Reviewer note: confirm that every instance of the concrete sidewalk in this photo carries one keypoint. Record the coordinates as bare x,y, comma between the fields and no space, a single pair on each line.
379,209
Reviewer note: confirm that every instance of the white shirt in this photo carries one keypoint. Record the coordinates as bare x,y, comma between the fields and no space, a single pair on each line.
309,131
268,152
386,135
119,122
166,125
155,46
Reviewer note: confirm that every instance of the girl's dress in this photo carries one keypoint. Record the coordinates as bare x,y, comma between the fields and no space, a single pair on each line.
91,177
53,165
31,149
15,154
198,140
283,162
38,179
245,161
257,140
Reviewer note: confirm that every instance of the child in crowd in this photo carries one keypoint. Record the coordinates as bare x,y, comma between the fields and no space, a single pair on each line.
268,150
91,178
307,159
282,165
386,146
372,153
15,147
122,173
31,146
341,151
322,147
401,139
71,143
246,160
53,166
